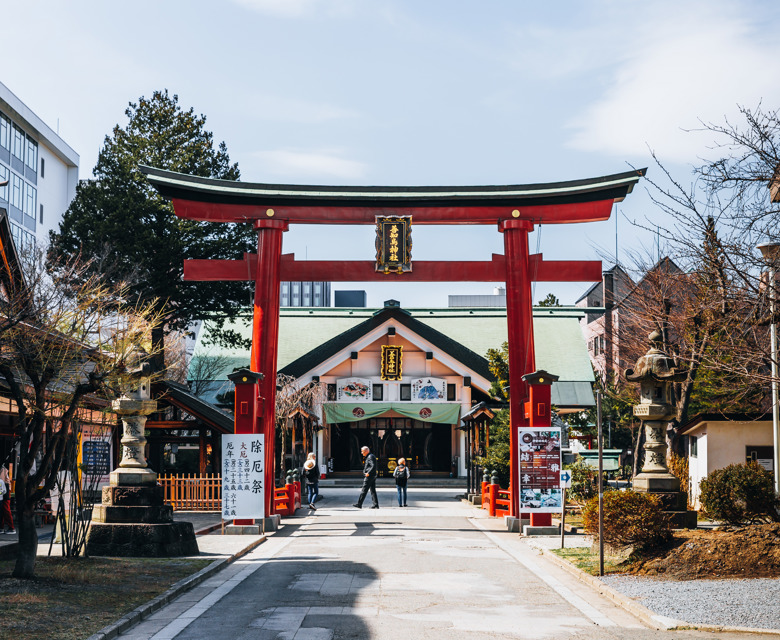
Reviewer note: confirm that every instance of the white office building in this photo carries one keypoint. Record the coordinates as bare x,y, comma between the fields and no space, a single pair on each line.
41,169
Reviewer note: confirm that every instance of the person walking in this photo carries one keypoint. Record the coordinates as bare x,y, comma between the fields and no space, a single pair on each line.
6,519
312,475
369,479
401,475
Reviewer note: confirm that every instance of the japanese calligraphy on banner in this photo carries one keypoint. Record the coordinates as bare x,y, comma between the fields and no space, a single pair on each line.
394,244
392,362
539,456
242,475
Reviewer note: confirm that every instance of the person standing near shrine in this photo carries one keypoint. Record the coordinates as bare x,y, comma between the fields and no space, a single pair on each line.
369,479
401,475
6,519
312,476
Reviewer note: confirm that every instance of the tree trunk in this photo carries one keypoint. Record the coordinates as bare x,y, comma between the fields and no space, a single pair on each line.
28,541
158,349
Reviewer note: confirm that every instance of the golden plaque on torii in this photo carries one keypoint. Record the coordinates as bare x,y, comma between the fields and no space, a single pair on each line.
394,244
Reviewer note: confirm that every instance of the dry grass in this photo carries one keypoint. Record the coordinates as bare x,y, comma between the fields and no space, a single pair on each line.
586,560
70,599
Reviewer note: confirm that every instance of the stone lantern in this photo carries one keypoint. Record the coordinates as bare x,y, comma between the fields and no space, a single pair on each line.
133,519
655,374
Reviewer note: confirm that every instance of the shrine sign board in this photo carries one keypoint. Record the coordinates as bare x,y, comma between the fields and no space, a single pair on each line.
539,454
394,244
392,362
243,477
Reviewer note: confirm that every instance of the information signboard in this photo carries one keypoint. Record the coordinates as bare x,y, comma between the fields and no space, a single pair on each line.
243,496
539,469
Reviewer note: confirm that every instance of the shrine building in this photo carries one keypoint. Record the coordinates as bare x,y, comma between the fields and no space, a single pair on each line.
400,381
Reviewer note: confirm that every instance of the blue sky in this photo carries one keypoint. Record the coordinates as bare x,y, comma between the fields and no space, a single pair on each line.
419,92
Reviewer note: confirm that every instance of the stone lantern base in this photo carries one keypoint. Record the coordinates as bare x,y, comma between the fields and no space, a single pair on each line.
133,521
675,502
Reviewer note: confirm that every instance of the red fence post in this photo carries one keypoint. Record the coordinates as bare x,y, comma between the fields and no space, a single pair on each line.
494,487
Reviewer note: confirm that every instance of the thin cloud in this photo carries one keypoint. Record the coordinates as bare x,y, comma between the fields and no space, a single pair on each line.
308,165
280,109
693,62
294,8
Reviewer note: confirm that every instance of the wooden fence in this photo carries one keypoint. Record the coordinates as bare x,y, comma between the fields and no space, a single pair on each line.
192,492
204,493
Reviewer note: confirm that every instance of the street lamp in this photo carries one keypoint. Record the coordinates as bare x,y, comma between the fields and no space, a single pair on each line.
771,251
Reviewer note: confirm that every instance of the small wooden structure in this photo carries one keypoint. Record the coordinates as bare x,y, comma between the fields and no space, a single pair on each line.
476,424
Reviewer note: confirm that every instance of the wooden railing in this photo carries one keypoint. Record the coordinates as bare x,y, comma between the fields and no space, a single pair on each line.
495,499
192,492
204,493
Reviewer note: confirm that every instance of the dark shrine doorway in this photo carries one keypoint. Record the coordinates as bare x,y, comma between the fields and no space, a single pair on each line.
427,446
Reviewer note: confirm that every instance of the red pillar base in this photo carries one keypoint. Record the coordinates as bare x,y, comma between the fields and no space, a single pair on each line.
541,520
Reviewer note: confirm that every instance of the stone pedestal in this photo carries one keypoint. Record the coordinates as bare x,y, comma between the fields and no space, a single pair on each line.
133,520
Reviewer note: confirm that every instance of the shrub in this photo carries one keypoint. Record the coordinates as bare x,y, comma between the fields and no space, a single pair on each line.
583,487
739,494
631,519
678,467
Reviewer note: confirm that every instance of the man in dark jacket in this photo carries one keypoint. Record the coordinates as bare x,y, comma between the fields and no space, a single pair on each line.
369,479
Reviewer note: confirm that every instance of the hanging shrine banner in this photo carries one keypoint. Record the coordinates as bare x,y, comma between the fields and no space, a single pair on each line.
539,456
392,362
394,244
242,476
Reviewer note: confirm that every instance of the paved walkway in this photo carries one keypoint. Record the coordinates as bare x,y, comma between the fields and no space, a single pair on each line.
437,569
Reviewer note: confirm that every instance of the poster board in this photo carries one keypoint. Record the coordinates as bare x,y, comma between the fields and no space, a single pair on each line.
96,453
243,476
539,469
353,390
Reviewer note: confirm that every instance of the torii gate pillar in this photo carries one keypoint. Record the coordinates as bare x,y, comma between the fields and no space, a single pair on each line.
265,341
519,317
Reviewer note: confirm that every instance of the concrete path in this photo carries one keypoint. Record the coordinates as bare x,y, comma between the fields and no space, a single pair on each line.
437,569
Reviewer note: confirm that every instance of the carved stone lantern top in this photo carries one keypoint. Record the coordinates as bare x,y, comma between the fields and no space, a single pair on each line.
655,365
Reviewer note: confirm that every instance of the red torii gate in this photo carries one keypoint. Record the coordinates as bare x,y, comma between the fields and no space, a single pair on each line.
272,208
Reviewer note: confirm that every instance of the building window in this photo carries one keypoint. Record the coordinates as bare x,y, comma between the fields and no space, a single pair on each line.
17,147
29,201
5,132
405,392
377,392
17,188
31,158
43,167
4,173
694,446
451,391
41,215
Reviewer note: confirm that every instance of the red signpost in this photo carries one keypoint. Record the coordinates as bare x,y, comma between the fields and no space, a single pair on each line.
272,208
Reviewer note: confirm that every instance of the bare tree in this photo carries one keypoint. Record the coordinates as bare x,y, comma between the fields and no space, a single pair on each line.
73,348
204,369
294,399
713,311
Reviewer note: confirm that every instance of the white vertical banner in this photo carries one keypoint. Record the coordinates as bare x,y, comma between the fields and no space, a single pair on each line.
243,476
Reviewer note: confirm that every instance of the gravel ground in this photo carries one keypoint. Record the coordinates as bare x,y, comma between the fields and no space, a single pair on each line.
734,603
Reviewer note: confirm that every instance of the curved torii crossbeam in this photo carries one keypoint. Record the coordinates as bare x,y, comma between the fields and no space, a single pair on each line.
271,208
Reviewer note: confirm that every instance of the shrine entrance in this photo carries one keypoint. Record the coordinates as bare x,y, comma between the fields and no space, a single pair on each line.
425,445
271,209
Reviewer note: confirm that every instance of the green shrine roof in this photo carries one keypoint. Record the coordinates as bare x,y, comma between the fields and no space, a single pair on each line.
466,333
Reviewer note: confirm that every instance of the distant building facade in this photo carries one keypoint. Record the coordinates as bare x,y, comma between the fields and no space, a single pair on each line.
497,299
304,294
353,299
41,170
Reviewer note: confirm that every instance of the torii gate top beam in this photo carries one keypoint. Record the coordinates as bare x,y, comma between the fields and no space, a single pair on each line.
213,200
